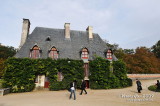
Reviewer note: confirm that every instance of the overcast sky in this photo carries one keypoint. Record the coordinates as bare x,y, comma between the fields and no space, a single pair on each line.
128,23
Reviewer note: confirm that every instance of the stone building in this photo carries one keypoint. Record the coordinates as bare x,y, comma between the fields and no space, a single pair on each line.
62,43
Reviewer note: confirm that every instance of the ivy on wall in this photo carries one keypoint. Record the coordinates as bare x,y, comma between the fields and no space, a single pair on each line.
71,70
20,73
101,76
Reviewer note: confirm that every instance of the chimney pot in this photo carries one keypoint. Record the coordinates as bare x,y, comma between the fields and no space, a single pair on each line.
67,30
90,32
25,31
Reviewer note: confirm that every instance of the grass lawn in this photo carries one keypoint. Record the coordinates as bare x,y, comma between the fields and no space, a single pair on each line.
153,88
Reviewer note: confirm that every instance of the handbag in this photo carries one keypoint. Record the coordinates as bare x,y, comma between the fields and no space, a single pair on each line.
140,88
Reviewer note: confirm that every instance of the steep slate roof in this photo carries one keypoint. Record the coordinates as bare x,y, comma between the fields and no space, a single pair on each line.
68,48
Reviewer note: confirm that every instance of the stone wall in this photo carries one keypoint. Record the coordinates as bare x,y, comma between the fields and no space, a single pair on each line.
143,76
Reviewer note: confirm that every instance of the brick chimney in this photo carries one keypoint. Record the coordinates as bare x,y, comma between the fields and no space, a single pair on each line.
25,31
67,30
90,32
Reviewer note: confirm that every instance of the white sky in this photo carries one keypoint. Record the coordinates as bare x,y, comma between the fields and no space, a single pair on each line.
128,23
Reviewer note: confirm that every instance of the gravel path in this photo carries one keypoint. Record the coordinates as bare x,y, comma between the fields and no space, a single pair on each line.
113,97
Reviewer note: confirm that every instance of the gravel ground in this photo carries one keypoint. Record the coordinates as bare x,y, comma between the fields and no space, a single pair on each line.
113,97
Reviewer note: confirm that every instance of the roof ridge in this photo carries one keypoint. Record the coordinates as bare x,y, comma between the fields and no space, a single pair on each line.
62,29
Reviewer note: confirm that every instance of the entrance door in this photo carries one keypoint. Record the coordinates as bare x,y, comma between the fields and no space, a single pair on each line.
87,83
46,84
40,80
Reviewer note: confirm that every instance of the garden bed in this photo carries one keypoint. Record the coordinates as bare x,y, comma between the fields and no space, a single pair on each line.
153,88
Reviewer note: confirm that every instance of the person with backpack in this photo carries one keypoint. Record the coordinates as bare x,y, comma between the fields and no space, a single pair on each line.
72,90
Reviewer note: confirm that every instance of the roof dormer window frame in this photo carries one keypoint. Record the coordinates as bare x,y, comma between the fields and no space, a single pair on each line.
53,53
109,54
35,52
84,53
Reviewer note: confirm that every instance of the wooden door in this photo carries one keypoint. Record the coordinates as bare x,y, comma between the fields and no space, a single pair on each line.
46,84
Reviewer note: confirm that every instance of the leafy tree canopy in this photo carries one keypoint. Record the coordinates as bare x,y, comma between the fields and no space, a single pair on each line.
7,51
156,49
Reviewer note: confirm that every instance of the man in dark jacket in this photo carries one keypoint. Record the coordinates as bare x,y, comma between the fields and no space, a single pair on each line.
139,87
83,86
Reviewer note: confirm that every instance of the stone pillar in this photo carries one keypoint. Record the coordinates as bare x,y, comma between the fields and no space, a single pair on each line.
67,30
25,31
90,32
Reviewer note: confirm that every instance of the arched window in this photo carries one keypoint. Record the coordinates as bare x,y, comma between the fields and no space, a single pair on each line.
109,54
84,54
53,53
35,52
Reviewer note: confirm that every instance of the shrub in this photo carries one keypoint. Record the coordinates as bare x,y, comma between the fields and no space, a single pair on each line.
129,82
99,73
71,70
19,75
153,88
102,77
1,83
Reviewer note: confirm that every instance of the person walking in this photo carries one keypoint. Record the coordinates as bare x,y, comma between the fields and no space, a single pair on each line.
139,86
72,89
83,86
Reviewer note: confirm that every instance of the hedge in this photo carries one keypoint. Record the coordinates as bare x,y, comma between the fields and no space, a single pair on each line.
102,76
119,70
71,70
20,73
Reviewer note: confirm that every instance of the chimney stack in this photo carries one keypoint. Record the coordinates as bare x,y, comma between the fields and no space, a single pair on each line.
25,31
67,30
90,32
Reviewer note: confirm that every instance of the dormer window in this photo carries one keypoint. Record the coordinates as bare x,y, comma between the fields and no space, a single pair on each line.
109,54
84,54
35,52
53,53
48,38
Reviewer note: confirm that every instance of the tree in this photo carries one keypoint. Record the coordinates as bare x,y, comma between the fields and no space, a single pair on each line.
129,51
143,61
156,49
5,52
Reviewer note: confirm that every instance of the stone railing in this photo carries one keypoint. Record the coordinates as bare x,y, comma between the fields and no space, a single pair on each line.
4,91
143,76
